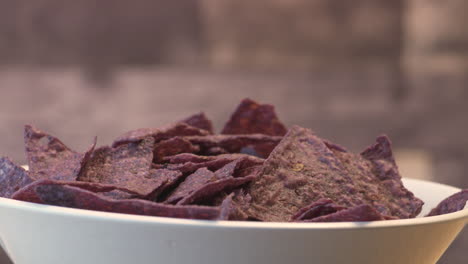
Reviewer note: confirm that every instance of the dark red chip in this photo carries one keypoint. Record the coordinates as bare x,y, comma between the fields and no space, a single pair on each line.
359,213
199,121
251,117
172,147
453,203
12,177
161,133
73,197
49,158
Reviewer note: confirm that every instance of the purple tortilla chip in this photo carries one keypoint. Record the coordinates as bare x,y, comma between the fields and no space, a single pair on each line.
117,195
359,213
258,145
126,166
12,177
251,117
453,203
73,197
172,147
211,189
162,133
192,183
199,121
303,169
49,158
27,192
188,157
316,209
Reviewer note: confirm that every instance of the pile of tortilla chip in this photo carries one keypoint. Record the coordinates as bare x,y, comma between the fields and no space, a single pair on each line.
254,170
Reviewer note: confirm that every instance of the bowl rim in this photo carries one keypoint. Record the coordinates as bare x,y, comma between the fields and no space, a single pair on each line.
120,217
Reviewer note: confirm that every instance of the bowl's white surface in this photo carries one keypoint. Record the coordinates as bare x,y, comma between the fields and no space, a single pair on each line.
33,233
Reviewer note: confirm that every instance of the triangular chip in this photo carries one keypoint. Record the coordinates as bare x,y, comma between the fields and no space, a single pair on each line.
126,166
251,117
303,169
49,158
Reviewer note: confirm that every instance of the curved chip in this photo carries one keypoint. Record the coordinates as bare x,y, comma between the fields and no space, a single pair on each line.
451,204
73,197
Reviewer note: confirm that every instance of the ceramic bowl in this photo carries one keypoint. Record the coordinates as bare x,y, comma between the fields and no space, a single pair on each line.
41,234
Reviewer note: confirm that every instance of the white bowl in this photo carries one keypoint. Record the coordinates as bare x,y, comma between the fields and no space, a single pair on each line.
42,234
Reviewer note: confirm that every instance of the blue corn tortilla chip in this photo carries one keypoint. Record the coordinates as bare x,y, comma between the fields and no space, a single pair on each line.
126,166
316,209
27,192
188,157
172,147
12,177
49,158
211,189
159,134
199,121
451,204
303,169
193,182
359,213
73,197
256,144
251,117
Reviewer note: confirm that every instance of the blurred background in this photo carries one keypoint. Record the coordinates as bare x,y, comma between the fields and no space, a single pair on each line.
350,70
